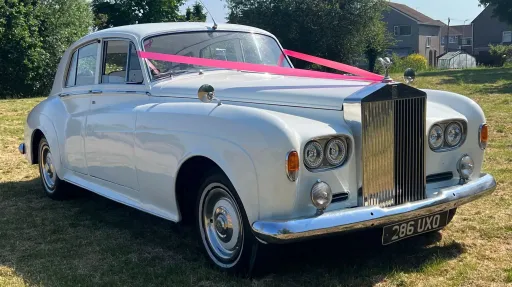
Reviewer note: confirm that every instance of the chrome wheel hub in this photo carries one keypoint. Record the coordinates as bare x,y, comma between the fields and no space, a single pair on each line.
47,168
221,225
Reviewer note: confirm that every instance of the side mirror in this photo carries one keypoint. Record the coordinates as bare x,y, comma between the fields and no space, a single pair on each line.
409,76
206,94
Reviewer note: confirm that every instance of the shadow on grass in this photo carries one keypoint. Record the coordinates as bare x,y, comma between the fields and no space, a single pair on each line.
91,241
488,78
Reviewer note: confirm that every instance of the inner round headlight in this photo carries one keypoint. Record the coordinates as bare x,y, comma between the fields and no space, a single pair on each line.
465,167
336,151
453,134
313,154
435,137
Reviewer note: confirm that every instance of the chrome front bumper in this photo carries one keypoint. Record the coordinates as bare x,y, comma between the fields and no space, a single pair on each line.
338,221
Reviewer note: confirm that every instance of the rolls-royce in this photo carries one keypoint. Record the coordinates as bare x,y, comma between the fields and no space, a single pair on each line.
251,157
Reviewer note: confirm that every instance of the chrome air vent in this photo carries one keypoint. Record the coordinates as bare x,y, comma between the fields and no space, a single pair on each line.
388,121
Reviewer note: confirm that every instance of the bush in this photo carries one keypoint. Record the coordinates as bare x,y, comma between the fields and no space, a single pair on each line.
33,36
502,52
414,61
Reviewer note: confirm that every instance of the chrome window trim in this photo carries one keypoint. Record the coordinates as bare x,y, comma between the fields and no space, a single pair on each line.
444,124
70,58
103,57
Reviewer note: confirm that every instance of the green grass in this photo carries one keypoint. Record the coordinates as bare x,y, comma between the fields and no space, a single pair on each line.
92,241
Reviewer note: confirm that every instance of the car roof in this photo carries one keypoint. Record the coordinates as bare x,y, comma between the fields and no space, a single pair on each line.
143,30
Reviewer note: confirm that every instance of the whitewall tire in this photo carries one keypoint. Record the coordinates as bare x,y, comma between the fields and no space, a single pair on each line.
222,224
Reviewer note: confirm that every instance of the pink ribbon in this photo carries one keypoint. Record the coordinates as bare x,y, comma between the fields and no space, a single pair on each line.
334,65
360,75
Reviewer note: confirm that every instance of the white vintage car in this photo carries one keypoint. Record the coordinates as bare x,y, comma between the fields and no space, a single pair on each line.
258,158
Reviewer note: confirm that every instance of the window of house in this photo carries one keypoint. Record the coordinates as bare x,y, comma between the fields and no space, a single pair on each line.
453,39
443,40
429,41
402,30
507,36
82,68
120,63
467,41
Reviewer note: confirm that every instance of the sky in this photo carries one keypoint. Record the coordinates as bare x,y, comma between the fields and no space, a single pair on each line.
457,10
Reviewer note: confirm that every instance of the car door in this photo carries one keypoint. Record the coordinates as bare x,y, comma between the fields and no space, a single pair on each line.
80,80
109,138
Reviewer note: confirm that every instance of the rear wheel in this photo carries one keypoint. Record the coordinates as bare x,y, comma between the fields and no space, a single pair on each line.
53,186
223,225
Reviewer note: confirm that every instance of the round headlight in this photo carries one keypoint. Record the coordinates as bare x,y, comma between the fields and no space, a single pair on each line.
336,151
313,154
321,195
453,134
465,167
435,137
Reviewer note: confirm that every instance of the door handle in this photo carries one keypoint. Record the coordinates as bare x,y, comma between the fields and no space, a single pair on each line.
95,91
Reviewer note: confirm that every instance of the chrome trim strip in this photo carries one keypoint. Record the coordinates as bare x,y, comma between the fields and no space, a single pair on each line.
74,93
338,221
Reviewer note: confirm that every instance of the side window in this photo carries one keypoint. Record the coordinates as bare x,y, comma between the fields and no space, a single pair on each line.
82,68
71,79
135,71
120,63
86,65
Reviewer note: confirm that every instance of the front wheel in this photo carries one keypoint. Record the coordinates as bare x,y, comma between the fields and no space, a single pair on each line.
223,225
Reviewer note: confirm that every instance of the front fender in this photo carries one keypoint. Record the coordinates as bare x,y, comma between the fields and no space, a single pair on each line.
446,105
38,120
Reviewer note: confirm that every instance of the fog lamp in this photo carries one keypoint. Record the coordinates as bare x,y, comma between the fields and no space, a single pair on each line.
465,167
321,195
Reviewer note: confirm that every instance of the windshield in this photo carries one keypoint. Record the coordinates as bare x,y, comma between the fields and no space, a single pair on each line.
226,46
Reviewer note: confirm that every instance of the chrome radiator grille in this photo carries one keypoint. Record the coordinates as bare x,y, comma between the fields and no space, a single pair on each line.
393,141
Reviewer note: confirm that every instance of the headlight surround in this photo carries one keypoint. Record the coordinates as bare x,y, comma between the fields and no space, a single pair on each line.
336,151
447,135
436,137
453,134
326,152
313,154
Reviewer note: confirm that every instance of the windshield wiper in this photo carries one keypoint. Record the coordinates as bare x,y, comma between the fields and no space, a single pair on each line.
170,74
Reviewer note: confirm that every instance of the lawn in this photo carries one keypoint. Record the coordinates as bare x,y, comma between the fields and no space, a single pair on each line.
91,241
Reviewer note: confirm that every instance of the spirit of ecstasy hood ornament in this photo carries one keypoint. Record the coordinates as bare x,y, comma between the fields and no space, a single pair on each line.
386,64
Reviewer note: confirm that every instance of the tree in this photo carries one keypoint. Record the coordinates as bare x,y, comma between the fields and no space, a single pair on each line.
340,30
502,9
112,13
378,39
195,14
33,37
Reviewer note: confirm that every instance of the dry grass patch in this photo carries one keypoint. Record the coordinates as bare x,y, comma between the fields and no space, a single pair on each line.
91,241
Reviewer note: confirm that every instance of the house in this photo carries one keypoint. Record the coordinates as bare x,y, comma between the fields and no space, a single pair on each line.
413,32
460,37
489,30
